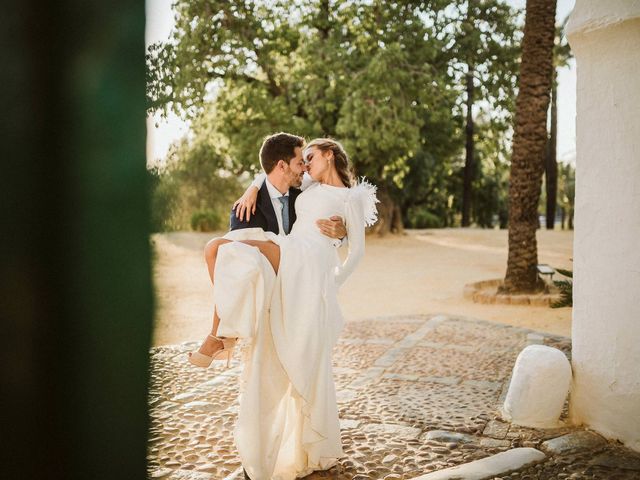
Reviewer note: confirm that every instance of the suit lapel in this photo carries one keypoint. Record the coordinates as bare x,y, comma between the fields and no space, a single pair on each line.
293,195
266,206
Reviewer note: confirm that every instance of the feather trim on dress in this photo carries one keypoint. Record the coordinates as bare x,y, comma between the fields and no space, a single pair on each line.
365,192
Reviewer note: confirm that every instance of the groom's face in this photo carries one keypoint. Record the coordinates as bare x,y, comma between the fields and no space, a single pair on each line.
296,169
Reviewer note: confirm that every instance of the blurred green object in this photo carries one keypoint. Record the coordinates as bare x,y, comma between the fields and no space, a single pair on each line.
75,286
205,221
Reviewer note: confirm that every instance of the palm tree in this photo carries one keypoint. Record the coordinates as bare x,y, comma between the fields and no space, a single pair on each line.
529,145
484,57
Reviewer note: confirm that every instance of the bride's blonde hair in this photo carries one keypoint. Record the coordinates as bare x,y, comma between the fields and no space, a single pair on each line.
340,158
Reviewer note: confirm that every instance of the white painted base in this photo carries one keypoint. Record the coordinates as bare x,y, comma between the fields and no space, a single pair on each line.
538,389
488,467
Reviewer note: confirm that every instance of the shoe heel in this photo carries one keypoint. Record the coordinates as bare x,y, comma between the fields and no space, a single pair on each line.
229,345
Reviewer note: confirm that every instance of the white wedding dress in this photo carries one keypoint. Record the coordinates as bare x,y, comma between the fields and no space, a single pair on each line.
288,422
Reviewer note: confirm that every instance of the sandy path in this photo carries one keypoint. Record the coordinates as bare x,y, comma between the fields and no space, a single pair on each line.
421,272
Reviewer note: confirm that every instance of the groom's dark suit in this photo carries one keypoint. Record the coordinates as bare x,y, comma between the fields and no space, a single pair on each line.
265,216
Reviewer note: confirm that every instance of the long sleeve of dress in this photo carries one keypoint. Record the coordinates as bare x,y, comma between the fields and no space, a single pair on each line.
354,218
360,212
259,180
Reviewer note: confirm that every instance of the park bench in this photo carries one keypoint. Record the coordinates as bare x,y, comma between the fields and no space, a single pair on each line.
544,269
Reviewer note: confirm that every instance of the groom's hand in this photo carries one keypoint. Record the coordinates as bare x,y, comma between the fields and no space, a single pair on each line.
333,227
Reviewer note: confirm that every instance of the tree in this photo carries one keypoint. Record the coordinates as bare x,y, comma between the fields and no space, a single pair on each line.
194,180
530,137
561,56
378,76
491,185
484,53
397,93
361,71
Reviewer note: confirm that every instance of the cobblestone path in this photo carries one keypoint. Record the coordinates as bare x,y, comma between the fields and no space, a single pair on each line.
416,394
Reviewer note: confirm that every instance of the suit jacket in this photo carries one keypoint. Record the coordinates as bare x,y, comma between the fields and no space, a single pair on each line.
265,216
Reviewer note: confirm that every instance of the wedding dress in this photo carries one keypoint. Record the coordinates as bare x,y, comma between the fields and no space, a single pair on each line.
288,422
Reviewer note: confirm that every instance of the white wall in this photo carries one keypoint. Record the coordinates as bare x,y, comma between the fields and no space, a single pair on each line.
605,37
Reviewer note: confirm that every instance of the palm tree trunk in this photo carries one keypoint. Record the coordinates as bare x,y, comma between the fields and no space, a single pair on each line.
551,167
530,138
469,158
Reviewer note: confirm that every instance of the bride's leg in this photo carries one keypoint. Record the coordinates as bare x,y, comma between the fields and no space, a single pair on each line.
210,256
211,345
211,253
269,250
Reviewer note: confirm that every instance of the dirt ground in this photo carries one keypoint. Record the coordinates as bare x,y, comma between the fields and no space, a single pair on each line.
422,272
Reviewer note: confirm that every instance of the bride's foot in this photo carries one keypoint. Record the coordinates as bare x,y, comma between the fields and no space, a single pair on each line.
213,348
211,345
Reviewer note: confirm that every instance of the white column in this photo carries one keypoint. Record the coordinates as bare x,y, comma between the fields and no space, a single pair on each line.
605,38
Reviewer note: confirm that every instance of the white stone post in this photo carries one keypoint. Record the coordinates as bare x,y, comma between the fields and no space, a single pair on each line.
538,389
605,395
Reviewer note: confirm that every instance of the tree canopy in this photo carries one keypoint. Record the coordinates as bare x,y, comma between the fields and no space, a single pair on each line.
381,77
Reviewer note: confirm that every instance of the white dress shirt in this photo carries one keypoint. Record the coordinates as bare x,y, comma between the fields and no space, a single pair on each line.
275,194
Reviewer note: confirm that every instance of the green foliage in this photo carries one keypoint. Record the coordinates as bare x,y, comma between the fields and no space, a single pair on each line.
566,273
194,178
243,115
566,289
382,77
165,202
420,217
430,187
491,185
206,221
483,38
378,124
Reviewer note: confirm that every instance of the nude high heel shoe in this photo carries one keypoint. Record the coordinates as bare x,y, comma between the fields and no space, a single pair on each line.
201,360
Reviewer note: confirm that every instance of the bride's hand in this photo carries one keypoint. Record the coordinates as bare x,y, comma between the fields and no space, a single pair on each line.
246,204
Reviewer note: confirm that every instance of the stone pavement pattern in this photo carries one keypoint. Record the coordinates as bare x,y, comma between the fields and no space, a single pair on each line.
416,395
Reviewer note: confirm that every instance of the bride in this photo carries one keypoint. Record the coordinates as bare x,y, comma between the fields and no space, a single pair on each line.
281,293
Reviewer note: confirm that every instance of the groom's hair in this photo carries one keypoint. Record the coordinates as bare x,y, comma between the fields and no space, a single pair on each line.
279,146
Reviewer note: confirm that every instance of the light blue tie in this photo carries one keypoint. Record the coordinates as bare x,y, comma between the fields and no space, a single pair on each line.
284,200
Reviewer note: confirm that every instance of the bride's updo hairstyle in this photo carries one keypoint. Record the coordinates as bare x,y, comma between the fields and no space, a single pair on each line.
340,158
